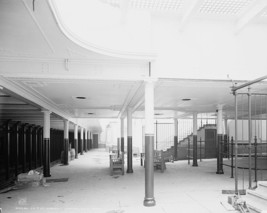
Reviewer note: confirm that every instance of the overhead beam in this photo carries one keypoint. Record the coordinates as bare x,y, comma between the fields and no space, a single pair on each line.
255,10
192,6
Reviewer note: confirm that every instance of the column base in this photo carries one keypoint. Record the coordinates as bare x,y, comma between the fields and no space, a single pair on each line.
195,165
220,172
148,202
129,171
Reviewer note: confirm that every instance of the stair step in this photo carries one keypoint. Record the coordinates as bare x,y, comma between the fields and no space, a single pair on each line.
256,201
255,205
258,194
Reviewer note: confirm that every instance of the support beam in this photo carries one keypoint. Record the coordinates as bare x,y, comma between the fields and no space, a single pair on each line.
249,16
149,144
85,140
122,134
129,142
66,143
76,140
192,6
175,120
46,145
219,140
81,140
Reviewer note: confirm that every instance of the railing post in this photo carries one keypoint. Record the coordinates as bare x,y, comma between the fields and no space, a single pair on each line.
188,151
255,158
200,150
232,157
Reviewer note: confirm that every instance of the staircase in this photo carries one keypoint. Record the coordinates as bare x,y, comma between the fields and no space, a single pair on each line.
256,200
183,144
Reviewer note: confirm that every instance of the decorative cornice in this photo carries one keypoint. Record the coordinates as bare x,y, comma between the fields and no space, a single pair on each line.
95,48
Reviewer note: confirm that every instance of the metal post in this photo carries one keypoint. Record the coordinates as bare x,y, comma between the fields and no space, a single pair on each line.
236,145
129,142
200,150
175,139
7,149
156,135
255,158
249,140
195,139
149,144
232,157
188,151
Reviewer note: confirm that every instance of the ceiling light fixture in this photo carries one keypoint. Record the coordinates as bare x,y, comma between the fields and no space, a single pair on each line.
81,97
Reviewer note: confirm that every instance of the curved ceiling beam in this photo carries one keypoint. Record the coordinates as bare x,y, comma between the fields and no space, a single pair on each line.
147,56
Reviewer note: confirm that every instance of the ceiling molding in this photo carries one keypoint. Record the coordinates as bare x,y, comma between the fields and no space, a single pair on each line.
95,48
255,10
29,97
39,27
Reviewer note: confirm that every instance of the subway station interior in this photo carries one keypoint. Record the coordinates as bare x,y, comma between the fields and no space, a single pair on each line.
120,106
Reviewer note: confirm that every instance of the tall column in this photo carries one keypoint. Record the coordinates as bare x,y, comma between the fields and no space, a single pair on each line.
7,132
66,143
85,140
88,140
129,142
76,140
219,139
30,129
46,144
195,139
122,134
16,143
149,144
175,120
81,141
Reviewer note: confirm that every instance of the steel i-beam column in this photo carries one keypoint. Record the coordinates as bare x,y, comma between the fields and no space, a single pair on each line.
122,135
46,144
149,144
175,120
66,142
129,142
219,140
195,139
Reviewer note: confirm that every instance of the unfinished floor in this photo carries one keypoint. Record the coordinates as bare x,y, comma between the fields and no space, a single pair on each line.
90,188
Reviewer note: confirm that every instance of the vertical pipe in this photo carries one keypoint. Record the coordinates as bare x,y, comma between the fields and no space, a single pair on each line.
236,145
149,144
249,140
175,148
129,142
195,139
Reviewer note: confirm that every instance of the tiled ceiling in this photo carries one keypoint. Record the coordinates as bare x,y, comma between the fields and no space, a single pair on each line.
225,7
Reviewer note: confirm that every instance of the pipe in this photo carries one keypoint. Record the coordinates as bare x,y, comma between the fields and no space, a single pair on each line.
248,83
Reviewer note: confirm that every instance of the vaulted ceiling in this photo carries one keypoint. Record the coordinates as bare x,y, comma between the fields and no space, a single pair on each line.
198,50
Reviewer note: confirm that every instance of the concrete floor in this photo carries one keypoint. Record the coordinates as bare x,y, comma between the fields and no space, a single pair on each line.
90,188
